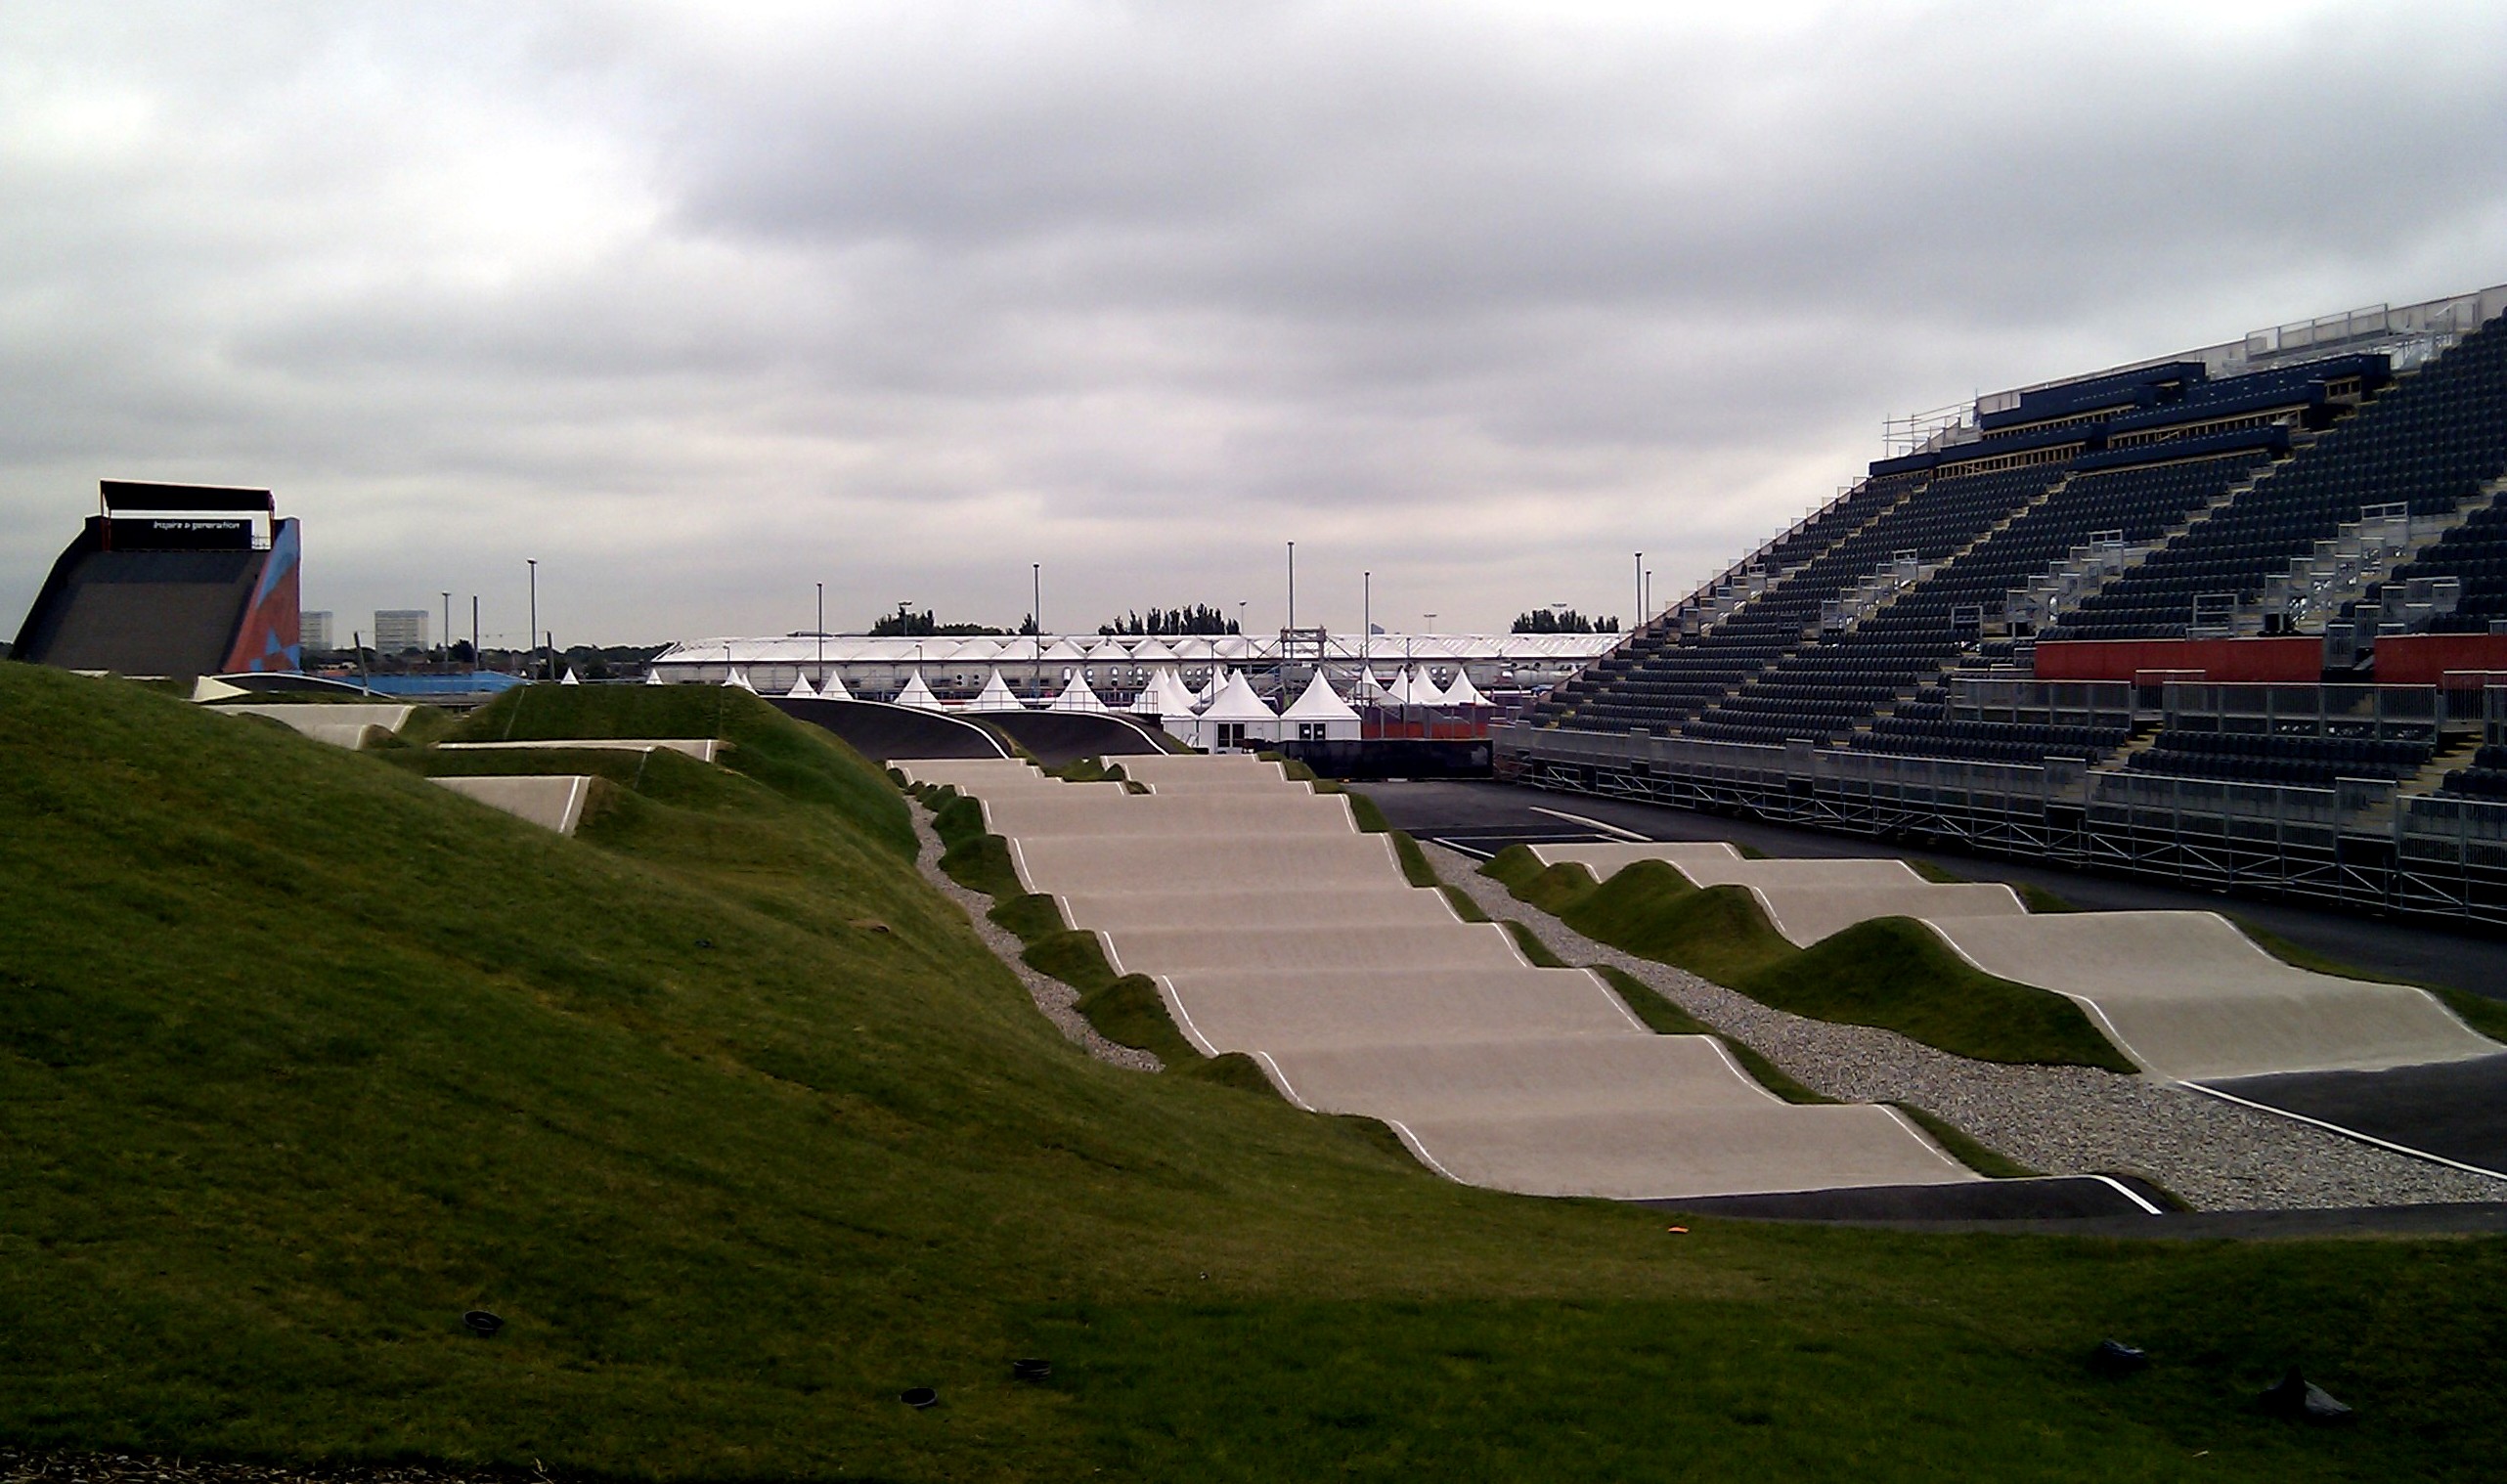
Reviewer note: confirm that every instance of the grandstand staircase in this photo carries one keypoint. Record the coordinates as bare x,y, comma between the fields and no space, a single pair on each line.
2082,576
2452,753
1891,581
2331,578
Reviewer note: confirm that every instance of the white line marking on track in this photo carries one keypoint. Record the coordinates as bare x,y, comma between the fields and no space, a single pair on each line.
1410,1141
1183,1016
1460,848
1596,824
2348,1133
2128,1193
1915,1132
1279,1080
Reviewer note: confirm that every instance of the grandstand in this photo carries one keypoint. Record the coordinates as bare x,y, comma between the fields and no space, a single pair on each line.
2237,616
171,580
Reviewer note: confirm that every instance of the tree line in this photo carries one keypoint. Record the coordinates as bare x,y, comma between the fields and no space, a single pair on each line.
1200,618
1563,621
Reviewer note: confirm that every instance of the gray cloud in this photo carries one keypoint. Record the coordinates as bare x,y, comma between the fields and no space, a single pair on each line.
701,307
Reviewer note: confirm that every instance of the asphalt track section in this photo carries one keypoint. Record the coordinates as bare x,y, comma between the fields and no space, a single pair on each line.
880,731
1060,737
1483,817
2062,1198
2454,1110
2083,1206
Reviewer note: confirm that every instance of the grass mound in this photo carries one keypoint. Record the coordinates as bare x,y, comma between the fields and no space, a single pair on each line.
743,1131
1130,1012
1552,889
1717,933
1892,973
1896,973
804,763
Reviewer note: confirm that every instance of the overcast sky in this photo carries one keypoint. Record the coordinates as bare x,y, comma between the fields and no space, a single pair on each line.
703,304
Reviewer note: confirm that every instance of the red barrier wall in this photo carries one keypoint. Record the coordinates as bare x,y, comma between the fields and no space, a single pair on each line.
2296,660
2423,659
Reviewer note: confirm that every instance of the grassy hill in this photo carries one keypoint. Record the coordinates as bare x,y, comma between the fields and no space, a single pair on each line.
742,1132
1891,972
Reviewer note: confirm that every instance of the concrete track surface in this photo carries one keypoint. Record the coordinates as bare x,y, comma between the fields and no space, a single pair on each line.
350,725
2185,995
550,801
1806,900
1272,927
1228,772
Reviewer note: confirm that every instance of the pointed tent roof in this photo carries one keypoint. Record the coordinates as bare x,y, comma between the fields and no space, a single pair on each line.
1107,652
739,680
1423,688
975,649
1217,681
1369,688
996,697
1320,703
1237,702
1064,649
653,677
1463,692
834,690
801,688
1166,695
1077,696
1152,651
570,679
1192,646
918,695
1152,700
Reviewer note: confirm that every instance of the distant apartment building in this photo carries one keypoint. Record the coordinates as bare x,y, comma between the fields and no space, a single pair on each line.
314,631
398,631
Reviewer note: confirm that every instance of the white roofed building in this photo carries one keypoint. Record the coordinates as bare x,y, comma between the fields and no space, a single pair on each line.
1319,715
1236,719
1118,667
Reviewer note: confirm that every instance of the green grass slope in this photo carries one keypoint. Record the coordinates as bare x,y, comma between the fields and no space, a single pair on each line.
1895,973
1892,973
743,1131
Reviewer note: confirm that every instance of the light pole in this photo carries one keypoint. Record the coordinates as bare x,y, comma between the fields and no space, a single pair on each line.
1366,621
445,653
820,629
1641,585
535,600
1649,608
477,664
1280,679
1036,612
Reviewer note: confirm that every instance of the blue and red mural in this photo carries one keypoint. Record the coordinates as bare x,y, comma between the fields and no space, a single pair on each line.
271,636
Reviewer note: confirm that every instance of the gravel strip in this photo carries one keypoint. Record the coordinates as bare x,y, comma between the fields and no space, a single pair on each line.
18,1467
2064,1121
1059,1002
